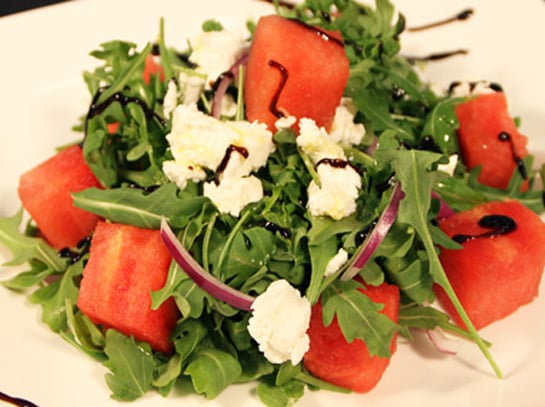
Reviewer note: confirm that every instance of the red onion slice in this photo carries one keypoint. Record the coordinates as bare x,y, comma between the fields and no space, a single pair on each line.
444,210
442,342
223,82
376,236
200,276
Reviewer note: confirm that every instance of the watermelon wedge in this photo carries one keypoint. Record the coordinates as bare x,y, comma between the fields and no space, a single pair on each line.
46,193
294,70
349,365
126,263
500,266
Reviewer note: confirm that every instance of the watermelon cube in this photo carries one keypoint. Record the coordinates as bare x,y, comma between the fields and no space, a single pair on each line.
500,266
45,192
349,365
294,70
125,264
488,137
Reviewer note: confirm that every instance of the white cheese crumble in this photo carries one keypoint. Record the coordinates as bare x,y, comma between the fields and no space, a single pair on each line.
337,194
199,142
233,194
187,91
285,122
343,129
316,143
338,188
279,323
214,52
451,166
336,262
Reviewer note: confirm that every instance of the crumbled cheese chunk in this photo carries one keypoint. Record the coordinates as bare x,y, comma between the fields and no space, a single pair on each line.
234,193
337,194
199,142
451,166
336,262
316,143
285,122
190,85
343,129
214,52
279,322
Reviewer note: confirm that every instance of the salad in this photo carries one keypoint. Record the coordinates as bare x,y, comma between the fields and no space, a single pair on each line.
148,189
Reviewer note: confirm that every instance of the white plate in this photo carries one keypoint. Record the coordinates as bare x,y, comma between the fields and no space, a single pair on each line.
42,95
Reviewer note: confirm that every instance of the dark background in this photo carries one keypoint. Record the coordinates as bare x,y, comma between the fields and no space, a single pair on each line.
14,6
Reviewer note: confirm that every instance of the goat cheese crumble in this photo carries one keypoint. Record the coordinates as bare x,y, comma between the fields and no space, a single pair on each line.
279,323
187,90
338,188
214,52
343,129
200,143
337,193
336,262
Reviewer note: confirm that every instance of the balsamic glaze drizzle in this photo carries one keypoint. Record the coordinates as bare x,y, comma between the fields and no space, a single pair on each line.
462,15
337,163
273,106
273,227
437,56
75,255
499,225
506,137
97,108
223,164
496,87
16,401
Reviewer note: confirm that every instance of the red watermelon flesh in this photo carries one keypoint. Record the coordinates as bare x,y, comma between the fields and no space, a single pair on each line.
126,263
45,192
493,276
488,136
312,62
349,365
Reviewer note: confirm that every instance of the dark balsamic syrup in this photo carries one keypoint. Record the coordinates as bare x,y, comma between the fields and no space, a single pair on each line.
96,108
75,255
362,234
499,225
273,106
496,87
437,56
506,137
223,164
337,163
273,227
16,401
461,16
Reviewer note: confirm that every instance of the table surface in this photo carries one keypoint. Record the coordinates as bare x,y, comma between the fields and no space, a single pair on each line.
14,6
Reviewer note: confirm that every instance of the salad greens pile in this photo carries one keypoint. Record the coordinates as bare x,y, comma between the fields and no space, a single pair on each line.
275,238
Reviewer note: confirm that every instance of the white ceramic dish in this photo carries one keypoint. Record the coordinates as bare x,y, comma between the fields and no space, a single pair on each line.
42,95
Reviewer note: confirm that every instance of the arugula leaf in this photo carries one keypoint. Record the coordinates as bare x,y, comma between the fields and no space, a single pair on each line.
131,364
212,370
441,125
285,395
136,207
54,296
358,317
23,248
413,169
